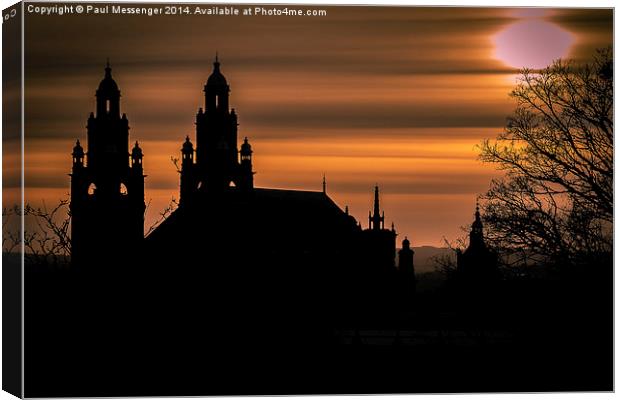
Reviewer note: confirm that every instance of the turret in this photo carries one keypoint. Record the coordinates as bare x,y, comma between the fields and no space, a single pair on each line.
406,270
405,258
108,96
78,156
246,153
136,159
216,90
187,153
188,173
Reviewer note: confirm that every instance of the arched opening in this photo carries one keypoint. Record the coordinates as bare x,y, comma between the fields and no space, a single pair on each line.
92,189
232,184
217,101
107,106
199,185
123,189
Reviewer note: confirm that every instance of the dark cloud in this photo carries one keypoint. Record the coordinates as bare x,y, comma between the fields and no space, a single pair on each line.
400,74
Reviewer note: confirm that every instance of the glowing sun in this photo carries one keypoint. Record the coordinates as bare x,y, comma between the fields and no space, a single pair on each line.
532,43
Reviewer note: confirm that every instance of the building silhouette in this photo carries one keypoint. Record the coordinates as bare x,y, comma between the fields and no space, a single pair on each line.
263,244
227,239
477,264
107,184
406,269
379,243
216,163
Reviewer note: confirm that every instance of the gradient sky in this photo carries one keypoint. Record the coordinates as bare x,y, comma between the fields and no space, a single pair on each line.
388,95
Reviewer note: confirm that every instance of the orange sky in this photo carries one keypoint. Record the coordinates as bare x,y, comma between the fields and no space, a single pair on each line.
394,96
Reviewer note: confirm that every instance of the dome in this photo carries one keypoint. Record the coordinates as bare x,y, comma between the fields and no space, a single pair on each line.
216,78
187,145
137,151
78,150
107,84
246,147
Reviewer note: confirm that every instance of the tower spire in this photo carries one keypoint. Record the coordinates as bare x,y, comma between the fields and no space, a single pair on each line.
476,236
108,69
376,204
324,184
216,63
376,218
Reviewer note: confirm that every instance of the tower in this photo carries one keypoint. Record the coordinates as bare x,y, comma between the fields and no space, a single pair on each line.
379,243
107,185
376,222
218,164
405,258
188,173
406,269
477,264
246,176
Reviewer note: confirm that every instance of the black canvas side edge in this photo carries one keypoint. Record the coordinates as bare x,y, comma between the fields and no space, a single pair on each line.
12,285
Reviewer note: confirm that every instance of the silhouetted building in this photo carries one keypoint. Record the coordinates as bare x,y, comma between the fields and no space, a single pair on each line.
379,244
227,239
217,164
107,185
405,260
249,239
477,263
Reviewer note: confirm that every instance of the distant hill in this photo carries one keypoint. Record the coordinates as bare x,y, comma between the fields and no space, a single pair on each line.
423,257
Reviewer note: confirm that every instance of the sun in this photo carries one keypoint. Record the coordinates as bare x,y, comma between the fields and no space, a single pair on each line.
532,43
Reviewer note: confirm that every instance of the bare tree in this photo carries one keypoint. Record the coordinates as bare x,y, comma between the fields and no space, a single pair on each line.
11,230
163,214
46,237
445,264
556,199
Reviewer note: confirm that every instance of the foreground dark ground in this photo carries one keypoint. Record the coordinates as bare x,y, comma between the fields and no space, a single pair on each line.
122,333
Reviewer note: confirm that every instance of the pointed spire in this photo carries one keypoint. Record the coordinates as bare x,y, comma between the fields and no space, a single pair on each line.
376,204
216,64
324,184
346,210
108,69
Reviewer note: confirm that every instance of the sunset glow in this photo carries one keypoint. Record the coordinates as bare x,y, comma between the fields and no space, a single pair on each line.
394,97
521,45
